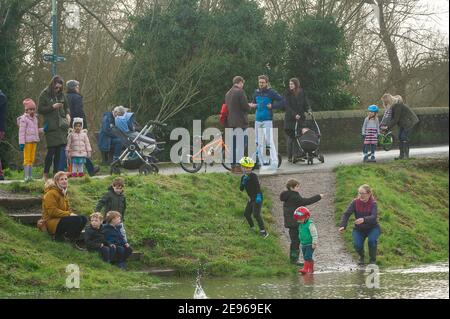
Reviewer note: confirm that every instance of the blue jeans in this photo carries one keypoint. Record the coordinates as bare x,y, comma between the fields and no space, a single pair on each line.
372,148
116,144
359,236
307,251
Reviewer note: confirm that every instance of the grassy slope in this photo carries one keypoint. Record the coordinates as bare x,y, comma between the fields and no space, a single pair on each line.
413,207
194,219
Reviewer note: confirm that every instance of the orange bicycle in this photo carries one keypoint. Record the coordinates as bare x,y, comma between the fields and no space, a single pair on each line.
192,161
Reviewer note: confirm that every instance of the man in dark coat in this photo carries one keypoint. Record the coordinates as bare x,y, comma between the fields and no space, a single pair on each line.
406,119
3,104
238,108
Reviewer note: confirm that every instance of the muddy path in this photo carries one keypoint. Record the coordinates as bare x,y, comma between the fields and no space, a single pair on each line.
331,254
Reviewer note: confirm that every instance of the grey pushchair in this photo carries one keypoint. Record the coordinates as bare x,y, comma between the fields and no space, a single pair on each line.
308,143
140,150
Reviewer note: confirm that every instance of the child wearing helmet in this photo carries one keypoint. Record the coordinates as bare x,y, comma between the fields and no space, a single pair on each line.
307,233
370,131
250,182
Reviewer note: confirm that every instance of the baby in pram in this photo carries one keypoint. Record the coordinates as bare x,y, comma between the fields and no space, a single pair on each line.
126,123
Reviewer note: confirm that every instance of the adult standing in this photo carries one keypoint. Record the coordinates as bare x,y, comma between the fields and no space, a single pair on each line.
53,105
366,223
76,109
60,220
238,108
3,104
405,119
107,141
266,99
296,106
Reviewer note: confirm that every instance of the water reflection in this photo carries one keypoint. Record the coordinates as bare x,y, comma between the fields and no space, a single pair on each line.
422,282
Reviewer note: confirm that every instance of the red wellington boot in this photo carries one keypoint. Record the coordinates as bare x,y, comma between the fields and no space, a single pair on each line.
305,268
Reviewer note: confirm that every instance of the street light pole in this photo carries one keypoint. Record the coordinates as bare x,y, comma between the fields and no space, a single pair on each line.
54,35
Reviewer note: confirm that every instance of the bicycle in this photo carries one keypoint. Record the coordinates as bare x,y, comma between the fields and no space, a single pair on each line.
386,140
193,162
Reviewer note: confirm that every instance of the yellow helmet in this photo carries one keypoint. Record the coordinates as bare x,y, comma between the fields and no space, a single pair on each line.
247,162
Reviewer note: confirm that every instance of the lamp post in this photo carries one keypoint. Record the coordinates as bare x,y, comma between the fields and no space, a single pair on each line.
54,36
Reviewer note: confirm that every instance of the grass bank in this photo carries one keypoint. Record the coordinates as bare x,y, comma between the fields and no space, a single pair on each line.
179,221
413,208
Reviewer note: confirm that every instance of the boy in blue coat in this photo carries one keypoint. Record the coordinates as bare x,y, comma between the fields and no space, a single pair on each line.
115,239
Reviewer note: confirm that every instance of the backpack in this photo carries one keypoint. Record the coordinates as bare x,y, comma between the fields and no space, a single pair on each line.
223,114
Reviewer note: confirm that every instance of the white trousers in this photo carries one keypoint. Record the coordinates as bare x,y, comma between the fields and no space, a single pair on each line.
263,138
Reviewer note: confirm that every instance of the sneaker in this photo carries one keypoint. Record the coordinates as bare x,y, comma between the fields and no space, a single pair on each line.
264,234
80,174
77,244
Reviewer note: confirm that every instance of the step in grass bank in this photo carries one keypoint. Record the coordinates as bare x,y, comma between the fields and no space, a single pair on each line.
413,207
181,221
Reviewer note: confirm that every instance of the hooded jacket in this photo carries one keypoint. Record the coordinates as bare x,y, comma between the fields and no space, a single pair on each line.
55,205
264,97
112,201
94,238
28,129
78,144
291,201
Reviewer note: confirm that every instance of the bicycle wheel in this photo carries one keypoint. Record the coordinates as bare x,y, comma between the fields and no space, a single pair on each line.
188,163
225,156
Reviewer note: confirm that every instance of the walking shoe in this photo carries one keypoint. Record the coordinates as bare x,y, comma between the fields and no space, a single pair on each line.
80,174
2,178
73,175
264,234
79,245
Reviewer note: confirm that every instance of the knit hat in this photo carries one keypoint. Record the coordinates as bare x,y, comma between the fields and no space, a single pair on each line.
77,120
72,84
28,104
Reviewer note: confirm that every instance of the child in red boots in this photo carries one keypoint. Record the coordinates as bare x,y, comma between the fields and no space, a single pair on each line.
307,233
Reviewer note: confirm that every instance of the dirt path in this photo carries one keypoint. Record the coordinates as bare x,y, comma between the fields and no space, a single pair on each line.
330,254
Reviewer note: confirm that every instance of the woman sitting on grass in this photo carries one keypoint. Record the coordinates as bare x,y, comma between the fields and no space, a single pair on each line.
60,221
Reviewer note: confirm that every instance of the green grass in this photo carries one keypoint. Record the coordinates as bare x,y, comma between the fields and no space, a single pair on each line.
195,220
413,208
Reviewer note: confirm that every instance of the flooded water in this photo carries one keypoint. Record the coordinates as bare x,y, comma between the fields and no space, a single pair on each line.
430,281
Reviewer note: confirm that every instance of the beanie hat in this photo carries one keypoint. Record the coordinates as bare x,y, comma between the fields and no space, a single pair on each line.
72,84
29,103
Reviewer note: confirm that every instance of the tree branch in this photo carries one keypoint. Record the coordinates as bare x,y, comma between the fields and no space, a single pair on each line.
101,22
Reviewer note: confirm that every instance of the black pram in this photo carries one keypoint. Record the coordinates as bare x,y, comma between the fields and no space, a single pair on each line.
308,143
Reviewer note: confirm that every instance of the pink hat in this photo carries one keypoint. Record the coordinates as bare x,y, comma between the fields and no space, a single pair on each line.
29,103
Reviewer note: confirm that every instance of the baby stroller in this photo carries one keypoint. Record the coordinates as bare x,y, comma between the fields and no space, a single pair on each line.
308,143
140,150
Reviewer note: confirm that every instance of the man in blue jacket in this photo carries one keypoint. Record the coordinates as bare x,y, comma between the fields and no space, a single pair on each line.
266,100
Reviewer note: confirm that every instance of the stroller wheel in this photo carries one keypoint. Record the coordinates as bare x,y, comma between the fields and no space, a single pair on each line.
115,170
146,169
321,158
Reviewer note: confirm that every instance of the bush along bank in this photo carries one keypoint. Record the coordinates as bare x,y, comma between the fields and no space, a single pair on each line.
412,198
182,222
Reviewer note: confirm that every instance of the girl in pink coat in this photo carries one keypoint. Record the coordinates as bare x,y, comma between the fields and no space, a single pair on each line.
78,147
28,136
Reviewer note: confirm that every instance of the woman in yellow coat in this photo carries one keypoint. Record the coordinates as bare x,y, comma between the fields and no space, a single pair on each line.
61,222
